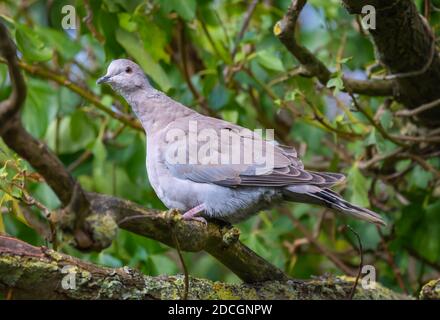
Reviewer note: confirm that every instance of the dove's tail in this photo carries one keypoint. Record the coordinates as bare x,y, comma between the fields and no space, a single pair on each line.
326,197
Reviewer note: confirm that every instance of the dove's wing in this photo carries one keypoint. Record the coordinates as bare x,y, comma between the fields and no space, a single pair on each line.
247,168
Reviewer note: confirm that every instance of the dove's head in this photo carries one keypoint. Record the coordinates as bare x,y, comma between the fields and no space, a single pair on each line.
125,76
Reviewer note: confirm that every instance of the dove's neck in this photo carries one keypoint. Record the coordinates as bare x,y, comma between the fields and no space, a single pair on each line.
155,109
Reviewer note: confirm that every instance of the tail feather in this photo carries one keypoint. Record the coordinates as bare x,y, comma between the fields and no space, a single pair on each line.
326,197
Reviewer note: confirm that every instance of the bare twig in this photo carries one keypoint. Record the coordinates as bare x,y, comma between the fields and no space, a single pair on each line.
247,18
88,19
361,263
391,262
10,107
185,269
323,250
184,61
420,109
375,124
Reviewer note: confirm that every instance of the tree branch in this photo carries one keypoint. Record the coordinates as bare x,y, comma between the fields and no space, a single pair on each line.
405,42
285,31
10,107
221,242
28,272
431,290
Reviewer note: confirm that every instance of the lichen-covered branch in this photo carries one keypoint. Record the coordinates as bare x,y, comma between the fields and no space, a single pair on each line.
285,31
431,290
28,272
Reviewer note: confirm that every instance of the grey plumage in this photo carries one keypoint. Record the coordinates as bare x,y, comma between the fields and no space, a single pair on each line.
229,192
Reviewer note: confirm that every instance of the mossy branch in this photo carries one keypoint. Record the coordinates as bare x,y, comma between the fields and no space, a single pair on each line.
28,272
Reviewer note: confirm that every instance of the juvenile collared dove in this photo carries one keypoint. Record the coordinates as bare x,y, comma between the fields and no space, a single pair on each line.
225,190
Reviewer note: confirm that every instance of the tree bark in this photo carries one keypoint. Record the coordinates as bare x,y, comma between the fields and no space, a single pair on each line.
431,290
405,45
28,272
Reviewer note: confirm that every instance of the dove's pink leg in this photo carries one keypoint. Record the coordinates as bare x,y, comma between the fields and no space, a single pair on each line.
192,214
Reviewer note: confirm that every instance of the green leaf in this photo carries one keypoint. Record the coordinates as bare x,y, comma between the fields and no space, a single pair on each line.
291,95
336,83
358,185
419,228
185,8
269,60
345,60
154,39
126,22
135,164
386,119
82,129
371,139
31,44
219,97
39,108
134,47
65,45
420,177
68,142
230,115
100,154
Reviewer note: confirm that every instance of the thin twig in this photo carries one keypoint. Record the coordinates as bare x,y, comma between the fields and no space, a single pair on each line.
323,250
361,263
88,19
391,262
247,18
185,269
420,109
375,123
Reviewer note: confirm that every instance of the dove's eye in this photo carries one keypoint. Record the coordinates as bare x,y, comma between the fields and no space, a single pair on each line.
128,70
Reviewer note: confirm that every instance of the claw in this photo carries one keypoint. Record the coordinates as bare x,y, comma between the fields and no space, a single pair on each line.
193,214
200,219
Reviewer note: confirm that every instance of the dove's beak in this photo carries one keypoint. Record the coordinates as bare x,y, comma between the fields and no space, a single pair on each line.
103,79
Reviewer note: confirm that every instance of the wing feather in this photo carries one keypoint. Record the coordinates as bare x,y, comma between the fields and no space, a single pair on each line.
287,167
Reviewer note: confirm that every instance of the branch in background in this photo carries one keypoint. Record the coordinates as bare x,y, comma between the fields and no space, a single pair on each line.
181,45
247,18
37,273
285,31
375,123
84,93
322,249
34,151
404,42
430,291
420,109
88,19
10,107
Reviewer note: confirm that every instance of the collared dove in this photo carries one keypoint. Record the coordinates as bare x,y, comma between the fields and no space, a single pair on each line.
225,190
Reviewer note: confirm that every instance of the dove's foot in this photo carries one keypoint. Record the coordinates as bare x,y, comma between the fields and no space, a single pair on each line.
192,214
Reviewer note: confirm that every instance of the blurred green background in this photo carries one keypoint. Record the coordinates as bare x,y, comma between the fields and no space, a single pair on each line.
193,51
